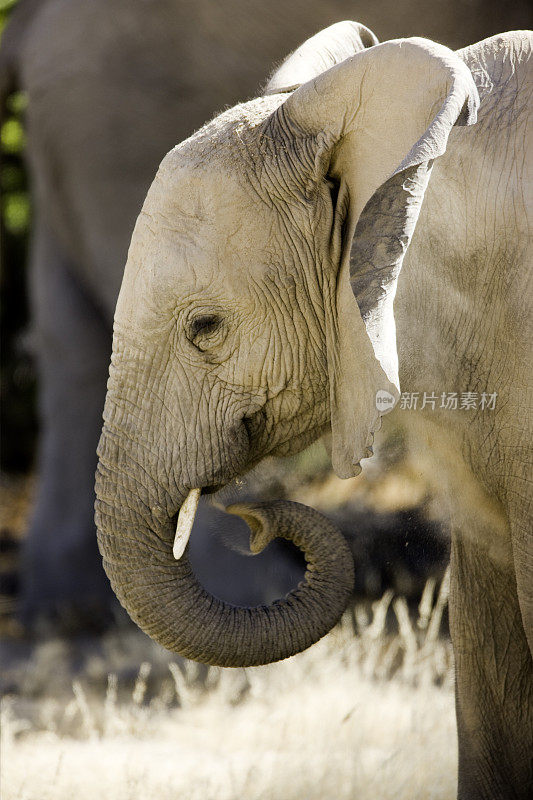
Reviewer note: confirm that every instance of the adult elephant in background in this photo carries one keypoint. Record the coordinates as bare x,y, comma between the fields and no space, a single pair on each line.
306,201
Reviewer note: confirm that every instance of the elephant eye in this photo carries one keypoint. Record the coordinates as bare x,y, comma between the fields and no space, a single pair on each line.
203,329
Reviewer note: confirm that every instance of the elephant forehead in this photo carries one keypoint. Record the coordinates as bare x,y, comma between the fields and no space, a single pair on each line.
209,206
204,219
204,225
176,256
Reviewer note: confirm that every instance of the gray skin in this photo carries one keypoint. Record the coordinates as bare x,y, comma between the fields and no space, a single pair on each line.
306,201
111,87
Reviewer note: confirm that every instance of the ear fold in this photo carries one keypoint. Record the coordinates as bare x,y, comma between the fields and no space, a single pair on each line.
374,124
319,53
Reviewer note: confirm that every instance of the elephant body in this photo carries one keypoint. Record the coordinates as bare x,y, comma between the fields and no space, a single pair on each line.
369,216
465,294
111,86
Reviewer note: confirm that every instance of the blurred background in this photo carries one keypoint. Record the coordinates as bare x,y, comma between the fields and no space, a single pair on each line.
92,97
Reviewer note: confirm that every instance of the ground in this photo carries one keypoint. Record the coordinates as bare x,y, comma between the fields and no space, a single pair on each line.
367,716
366,713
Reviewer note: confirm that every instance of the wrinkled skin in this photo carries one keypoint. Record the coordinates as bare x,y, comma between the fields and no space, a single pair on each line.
111,87
256,312
464,321
153,71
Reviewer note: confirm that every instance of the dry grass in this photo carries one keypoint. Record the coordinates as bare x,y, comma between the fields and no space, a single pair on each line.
353,717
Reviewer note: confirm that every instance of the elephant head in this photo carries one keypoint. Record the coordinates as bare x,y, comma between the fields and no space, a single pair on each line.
255,313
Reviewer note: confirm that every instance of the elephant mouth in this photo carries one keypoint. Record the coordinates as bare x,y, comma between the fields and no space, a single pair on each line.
184,518
212,489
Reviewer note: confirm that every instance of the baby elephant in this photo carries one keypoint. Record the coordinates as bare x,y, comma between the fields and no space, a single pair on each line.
296,260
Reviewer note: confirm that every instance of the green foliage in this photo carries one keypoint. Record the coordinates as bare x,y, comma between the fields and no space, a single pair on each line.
15,207
6,6
17,378
12,136
16,210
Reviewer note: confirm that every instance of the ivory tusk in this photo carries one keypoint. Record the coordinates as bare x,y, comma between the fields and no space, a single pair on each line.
185,522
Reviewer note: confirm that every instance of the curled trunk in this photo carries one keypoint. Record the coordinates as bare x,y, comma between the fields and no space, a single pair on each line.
164,597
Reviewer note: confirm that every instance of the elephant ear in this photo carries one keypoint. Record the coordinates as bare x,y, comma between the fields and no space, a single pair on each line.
371,126
319,53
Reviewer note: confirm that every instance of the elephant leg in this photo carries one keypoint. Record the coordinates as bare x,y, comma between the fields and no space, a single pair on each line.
63,579
494,672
